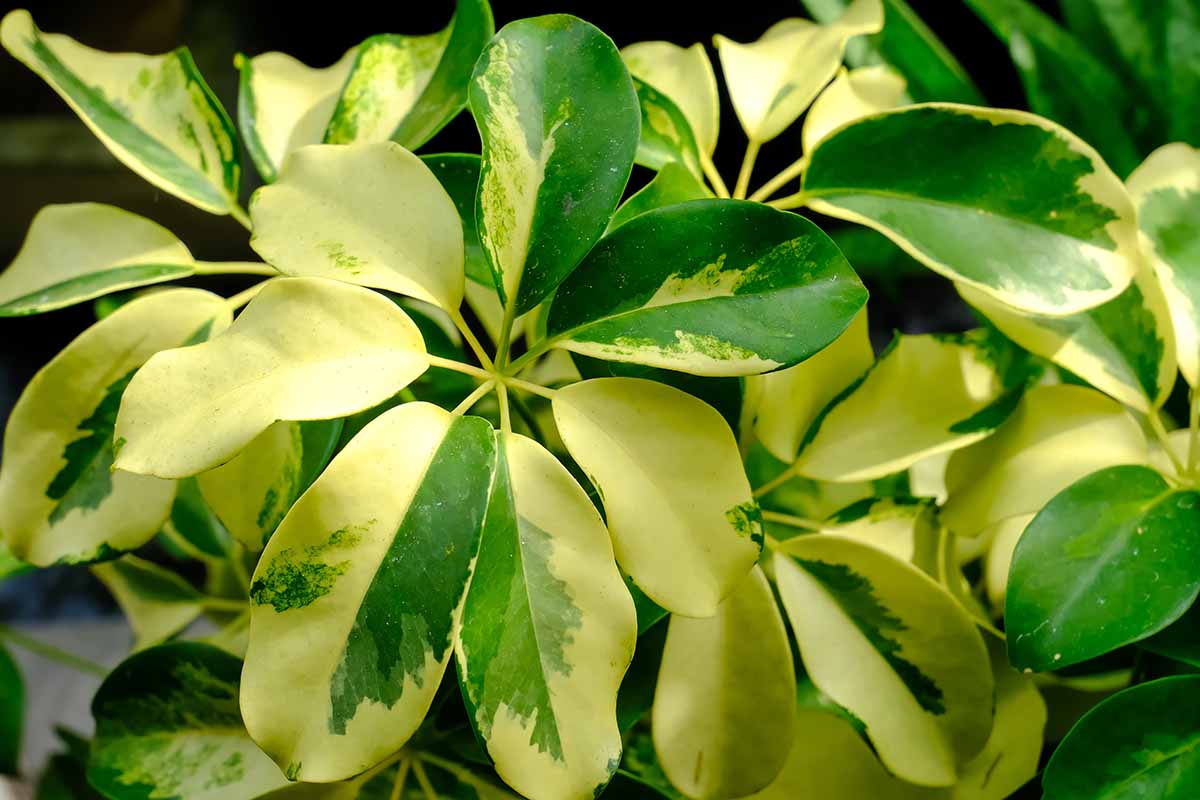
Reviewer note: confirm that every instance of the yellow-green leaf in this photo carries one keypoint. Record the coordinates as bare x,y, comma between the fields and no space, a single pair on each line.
773,80
155,113
305,348
685,75
284,105
548,631
1166,191
356,600
79,251
679,507
894,648
853,95
783,404
370,214
724,707
59,498
926,395
156,602
1125,347
252,493
1057,435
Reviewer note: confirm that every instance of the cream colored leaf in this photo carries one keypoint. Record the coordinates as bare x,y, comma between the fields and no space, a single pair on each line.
853,95
156,602
370,214
285,105
1057,435
783,404
1004,536
724,705
679,507
926,395
79,251
59,500
1166,191
894,648
773,80
685,75
305,348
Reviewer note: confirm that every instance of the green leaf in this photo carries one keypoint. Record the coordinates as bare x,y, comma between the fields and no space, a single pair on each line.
193,408
374,561
65,774
667,137
684,524
782,405
12,713
710,287
1061,229
723,712
1141,742
907,44
1166,191
864,623
459,175
157,603
925,395
154,113
167,725
1180,640
407,88
1057,435
196,523
773,80
685,75
548,631
79,251
673,184
368,214
1125,347
253,492
60,500
552,101
1105,563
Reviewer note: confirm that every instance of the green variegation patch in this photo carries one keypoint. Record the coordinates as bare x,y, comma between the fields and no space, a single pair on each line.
155,113
707,287
385,592
156,602
167,725
666,135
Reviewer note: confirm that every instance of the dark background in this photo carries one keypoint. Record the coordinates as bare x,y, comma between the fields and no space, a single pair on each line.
48,156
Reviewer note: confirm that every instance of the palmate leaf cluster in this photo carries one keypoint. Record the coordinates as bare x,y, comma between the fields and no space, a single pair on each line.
507,480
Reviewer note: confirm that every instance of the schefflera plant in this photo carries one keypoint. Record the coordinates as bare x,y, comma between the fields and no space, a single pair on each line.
590,552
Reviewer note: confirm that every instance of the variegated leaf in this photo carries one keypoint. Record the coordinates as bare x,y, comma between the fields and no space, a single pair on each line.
552,100
724,707
167,725
666,466
304,349
710,287
252,493
667,137
864,623
773,80
459,175
60,499
371,567
673,184
1061,229
852,95
548,631
156,602
685,75
369,214
154,113
1166,190
79,251
926,395
1057,435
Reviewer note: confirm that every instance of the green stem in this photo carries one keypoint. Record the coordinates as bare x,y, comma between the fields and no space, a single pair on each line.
791,201
233,268
793,171
423,781
529,355
472,342
743,179
1160,433
242,298
532,388
50,652
776,482
238,565
458,366
504,340
169,531
527,417
238,213
505,417
224,604
791,520
473,398
401,779
714,177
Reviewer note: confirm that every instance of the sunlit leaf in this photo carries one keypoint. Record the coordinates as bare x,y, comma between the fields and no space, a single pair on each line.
666,465
305,348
